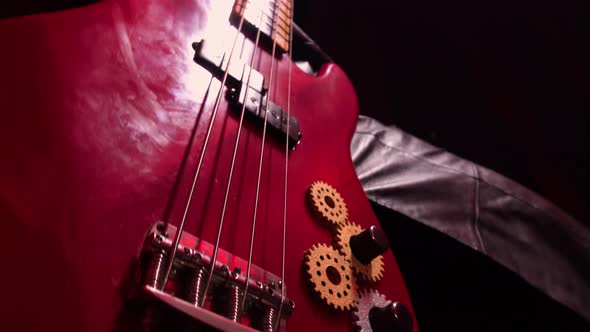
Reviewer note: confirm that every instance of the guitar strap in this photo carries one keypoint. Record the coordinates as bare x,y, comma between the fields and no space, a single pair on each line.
478,207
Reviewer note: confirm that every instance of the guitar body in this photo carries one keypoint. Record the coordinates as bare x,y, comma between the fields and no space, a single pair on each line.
104,118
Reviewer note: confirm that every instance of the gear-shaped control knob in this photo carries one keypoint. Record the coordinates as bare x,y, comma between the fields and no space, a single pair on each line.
369,244
393,317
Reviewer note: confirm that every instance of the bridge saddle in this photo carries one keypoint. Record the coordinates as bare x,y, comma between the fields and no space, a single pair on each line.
221,307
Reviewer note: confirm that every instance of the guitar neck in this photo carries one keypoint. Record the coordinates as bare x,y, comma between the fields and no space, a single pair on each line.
272,17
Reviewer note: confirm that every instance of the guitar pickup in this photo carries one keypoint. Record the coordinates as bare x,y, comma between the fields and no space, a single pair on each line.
256,103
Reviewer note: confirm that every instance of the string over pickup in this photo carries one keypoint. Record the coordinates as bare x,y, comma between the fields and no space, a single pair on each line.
241,78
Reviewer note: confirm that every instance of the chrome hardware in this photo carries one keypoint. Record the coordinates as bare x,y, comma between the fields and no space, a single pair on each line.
197,286
155,269
257,101
269,320
234,302
228,282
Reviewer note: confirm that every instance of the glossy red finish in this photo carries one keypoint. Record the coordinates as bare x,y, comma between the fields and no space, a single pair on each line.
99,104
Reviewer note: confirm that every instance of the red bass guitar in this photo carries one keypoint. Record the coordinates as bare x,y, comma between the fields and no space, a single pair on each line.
166,166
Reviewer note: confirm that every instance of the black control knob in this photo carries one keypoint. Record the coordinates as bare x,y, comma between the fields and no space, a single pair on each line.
369,244
394,317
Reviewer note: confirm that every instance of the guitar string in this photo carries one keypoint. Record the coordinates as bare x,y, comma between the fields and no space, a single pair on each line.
180,228
231,171
249,268
286,167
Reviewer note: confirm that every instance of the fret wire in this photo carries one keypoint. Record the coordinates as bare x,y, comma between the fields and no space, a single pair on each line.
265,10
280,8
255,5
273,3
269,15
271,22
256,11
273,15
274,27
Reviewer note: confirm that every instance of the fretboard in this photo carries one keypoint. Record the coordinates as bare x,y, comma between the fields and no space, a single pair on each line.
275,16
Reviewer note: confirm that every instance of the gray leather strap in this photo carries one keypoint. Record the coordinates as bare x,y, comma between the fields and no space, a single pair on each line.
478,207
